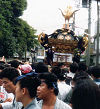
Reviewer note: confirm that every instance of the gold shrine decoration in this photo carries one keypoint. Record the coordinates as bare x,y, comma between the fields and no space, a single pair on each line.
42,35
64,40
62,46
68,13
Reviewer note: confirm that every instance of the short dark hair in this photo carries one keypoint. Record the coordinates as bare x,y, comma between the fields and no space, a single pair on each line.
89,70
2,62
41,67
2,66
82,66
9,73
60,73
29,82
14,63
60,64
86,95
80,76
50,80
74,67
95,71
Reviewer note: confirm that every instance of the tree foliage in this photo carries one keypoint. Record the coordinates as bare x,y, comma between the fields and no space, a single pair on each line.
7,42
24,34
15,34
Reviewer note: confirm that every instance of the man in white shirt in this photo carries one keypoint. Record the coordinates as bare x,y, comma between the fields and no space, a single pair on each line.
8,76
48,91
62,86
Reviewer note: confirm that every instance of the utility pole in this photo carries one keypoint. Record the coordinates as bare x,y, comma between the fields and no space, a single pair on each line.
73,24
89,34
97,51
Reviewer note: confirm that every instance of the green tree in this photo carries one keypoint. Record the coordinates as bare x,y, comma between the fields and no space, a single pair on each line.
7,42
16,36
12,8
24,34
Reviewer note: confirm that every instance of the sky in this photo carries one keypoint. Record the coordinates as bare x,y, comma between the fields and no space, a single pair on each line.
45,16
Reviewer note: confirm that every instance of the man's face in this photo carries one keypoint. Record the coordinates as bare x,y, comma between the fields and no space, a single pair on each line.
8,85
18,92
43,91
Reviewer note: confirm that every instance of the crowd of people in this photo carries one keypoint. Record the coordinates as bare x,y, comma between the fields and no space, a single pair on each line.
41,86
